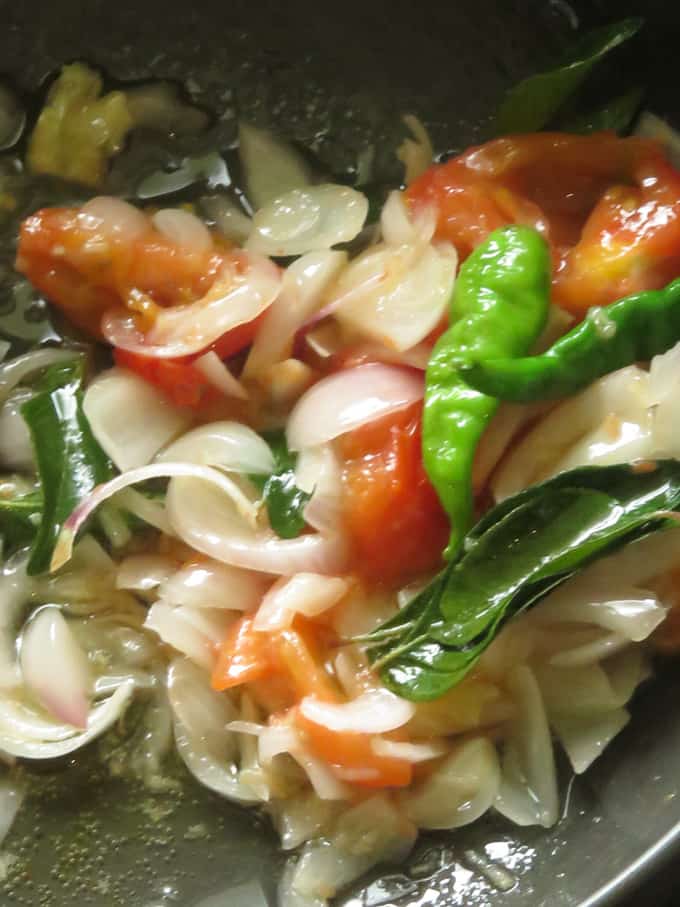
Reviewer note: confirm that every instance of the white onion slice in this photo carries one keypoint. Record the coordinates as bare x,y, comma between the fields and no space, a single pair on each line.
227,216
184,229
283,738
210,584
113,218
586,737
55,668
409,299
211,367
15,592
195,633
16,448
100,719
348,399
275,740
227,445
304,283
409,752
149,510
270,164
211,524
239,294
399,227
246,727
416,153
374,712
144,572
318,472
15,370
458,791
305,593
309,219
130,419
64,547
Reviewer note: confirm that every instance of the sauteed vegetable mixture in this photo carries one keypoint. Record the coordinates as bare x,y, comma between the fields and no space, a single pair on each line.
364,505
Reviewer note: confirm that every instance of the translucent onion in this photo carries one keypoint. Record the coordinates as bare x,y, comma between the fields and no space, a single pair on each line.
244,289
278,739
16,449
318,472
13,371
211,524
55,669
400,227
226,445
307,220
417,153
150,422
184,229
102,716
159,105
460,790
210,584
15,592
528,790
144,572
409,752
227,216
271,165
664,384
193,632
113,218
211,367
66,540
348,399
374,712
305,593
585,738
304,283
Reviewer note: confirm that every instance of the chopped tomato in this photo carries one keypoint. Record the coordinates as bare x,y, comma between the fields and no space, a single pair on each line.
84,271
352,758
244,656
178,379
392,513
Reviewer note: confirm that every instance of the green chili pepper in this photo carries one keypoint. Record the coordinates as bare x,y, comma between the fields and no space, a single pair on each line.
499,307
636,327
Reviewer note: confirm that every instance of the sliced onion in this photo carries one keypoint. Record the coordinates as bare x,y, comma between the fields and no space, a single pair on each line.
144,572
211,524
211,367
150,421
227,445
15,592
12,794
227,216
209,584
64,547
159,105
100,719
148,510
318,473
409,752
14,371
416,154
585,737
246,727
283,738
271,165
240,293
113,218
277,739
400,227
195,633
410,297
528,791
200,719
304,283
460,790
16,449
306,220
184,229
305,593
348,399
374,712
55,668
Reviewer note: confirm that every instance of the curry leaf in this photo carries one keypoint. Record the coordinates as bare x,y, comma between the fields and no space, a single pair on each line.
70,462
519,552
532,103
285,502
617,114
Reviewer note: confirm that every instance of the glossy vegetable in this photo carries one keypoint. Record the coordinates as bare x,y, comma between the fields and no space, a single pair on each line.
70,462
635,328
519,551
20,514
532,103
500,302
284,500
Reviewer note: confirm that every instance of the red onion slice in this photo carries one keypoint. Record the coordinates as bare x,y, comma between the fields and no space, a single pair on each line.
348,399
64,547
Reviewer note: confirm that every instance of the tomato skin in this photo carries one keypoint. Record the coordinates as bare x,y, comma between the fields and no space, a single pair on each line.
392,513
181,382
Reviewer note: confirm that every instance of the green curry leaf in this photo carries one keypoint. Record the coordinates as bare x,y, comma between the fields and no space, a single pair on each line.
519,552
285,502
532,103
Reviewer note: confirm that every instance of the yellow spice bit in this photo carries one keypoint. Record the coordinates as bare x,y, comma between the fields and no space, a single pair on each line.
78,131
